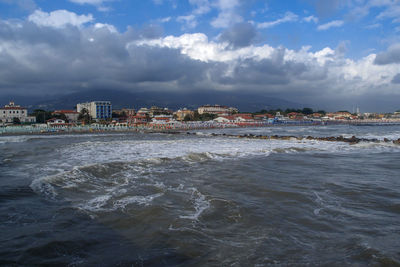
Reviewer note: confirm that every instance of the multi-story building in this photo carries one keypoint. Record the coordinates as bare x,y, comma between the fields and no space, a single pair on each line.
217,109
182,113
98,110
129,111
9,113
125,112
154,111
143,112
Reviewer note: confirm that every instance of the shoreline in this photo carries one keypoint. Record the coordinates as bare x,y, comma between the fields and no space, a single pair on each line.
352,140
20,131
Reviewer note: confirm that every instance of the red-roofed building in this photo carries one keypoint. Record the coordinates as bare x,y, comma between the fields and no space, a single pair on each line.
138,119
162,118
225,119
71,115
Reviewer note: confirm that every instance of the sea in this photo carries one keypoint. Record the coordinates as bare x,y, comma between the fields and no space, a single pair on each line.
157,199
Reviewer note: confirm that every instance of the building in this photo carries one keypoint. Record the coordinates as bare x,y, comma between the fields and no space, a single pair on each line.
162,119
98,110
225,119
182,113
138,119
217,109
143,112
129,111
71,115
11,112
154,111
263,117
125,112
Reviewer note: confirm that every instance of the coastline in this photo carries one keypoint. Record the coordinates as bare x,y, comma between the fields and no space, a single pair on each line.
121,130
32,130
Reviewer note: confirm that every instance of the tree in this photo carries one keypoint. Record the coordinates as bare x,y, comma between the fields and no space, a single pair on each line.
16,120
119,115
207,116
84,116
41,115
61,116
196,115
307,111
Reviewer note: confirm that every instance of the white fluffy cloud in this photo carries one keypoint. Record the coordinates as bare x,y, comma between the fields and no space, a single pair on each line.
59,18
227,14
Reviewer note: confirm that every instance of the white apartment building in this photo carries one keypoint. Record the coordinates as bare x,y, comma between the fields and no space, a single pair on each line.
217,109
11,111
97,109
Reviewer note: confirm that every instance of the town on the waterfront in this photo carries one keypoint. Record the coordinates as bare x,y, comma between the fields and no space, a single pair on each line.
98,115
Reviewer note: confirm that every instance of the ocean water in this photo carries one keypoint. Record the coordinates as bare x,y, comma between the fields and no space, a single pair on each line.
138,199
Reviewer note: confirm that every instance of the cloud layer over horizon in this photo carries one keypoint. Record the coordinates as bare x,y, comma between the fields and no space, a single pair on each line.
61,52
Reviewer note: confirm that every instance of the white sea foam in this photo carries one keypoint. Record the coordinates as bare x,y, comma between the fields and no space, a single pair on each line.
200,205
13,139
194,150
125,174
96,204
140,200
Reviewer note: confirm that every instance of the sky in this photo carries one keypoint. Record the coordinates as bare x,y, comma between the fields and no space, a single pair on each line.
328,53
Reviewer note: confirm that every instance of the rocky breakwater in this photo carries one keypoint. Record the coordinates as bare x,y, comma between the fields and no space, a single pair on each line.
350,140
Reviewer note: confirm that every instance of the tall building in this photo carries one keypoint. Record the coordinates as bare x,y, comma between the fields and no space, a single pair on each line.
11,112
98,110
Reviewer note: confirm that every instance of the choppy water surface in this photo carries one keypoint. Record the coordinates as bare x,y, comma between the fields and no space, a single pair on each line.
165,200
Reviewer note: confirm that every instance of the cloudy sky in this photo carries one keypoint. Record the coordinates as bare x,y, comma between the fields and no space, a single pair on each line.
337,53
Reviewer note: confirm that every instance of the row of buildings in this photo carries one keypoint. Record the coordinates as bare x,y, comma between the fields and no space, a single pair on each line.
103,111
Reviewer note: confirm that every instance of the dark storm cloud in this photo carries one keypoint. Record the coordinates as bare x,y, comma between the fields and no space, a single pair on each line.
72,59
68,59
239,35
392,55
396,79
262,75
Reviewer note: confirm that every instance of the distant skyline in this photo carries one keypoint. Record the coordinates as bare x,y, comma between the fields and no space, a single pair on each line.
336,54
